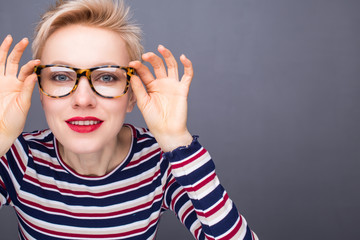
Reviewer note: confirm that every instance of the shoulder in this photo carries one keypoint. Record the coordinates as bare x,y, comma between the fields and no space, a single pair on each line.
38,138
24,148
140,134
38,135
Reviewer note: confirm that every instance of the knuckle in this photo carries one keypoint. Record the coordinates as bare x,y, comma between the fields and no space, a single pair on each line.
23,68
10,58
172,64
158,65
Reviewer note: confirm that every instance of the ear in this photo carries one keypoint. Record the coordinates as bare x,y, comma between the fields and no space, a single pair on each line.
132,101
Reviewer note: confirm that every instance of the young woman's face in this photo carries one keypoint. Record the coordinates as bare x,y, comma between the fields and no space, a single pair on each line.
84,122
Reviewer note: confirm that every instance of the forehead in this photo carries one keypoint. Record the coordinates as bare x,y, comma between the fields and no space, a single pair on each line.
85,46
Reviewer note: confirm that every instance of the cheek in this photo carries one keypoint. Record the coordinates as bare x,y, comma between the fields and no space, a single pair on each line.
117,109
51,108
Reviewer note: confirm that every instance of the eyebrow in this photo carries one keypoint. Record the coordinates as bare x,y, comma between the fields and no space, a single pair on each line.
95,65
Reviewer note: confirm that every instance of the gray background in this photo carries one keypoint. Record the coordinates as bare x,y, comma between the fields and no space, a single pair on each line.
275,99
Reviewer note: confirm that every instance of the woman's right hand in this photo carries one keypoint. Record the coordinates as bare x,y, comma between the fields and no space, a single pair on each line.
15,91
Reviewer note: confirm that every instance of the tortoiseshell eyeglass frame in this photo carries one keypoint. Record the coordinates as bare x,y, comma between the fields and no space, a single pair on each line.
87,73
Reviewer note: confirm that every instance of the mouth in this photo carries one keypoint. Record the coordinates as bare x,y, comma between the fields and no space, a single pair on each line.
84,124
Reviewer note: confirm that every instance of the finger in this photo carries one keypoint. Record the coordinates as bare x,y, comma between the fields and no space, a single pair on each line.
188,70
157,63
27,90
139,91
170,61
143,72
4,49
13,60
27,69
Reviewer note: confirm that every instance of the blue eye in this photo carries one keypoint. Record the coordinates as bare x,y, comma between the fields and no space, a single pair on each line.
60,77
107,78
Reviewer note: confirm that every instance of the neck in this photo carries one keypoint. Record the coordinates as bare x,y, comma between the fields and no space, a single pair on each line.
101,162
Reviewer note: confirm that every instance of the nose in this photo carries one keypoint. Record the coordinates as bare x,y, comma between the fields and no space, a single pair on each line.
83,96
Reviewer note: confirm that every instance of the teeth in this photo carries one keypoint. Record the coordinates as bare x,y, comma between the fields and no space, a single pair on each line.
84,123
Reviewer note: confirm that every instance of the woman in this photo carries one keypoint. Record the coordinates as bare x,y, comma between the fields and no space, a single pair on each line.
90,176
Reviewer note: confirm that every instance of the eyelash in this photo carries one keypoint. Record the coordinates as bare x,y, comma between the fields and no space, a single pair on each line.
54,76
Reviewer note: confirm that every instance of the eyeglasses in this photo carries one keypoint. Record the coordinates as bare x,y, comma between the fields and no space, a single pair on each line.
109,81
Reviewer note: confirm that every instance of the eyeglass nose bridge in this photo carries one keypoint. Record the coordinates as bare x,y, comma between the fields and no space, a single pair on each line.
83,72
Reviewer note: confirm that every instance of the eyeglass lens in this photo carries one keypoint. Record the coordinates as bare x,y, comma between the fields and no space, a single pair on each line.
59,81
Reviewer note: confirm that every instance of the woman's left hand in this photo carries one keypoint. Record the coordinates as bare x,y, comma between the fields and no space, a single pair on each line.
162,99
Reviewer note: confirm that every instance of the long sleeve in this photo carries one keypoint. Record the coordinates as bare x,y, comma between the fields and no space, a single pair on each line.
4,196
194,172
12,168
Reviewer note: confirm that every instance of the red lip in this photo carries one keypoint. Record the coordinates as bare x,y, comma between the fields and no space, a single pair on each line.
84,128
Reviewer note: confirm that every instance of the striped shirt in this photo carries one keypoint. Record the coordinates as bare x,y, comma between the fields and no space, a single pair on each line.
52,201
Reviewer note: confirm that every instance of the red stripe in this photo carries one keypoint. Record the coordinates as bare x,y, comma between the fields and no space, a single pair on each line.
183,163
46,144
4,160
2,184
234,231
166,187
34,134
18,158
230,234
92,215
142,138
93,236
197,232
99,194
191,208
132,129
146,156
173,201
22,233
171,182
215,209
47,163
202,183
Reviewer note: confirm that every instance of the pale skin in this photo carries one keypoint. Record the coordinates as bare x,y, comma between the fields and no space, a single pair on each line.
161,98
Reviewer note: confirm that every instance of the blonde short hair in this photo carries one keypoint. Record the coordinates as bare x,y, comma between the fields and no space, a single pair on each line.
108,14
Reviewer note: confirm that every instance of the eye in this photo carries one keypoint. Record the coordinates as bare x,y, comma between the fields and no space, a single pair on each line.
61,77
106,78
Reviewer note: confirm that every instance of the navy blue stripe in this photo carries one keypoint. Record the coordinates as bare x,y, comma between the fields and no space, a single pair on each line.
209,200
197,174
154,164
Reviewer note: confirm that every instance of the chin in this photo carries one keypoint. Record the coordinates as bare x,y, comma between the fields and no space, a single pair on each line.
85,145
